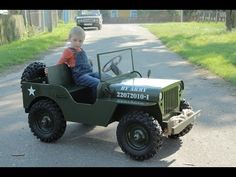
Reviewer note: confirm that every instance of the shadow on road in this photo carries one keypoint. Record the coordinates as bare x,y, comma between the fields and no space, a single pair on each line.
99,140
77,129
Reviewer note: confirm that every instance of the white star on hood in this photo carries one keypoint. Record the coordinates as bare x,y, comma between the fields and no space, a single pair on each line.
31,91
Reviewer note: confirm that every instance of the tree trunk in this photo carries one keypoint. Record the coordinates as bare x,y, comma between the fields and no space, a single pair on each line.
50,26
228,21
233,18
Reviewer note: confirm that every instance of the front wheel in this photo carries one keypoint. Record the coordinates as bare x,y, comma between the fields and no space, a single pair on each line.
139,135
46,121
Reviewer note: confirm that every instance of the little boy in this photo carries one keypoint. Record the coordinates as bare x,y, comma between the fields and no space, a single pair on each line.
75,57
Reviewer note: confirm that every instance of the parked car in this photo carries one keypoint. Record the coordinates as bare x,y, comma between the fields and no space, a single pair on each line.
3,12
89,18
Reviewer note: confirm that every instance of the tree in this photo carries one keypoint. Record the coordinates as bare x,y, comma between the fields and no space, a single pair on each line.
230,19
50,25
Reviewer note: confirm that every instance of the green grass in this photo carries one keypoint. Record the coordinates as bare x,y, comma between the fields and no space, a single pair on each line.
206,44
27,49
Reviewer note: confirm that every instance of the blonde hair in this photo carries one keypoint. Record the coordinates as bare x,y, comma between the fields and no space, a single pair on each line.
77,31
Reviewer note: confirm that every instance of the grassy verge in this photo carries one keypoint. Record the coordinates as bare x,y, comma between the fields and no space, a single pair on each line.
204,44
21,51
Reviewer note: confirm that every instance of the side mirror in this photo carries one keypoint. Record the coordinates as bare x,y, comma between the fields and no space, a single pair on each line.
148,73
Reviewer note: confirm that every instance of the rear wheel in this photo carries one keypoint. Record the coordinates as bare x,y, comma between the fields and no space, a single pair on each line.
139,135
46,121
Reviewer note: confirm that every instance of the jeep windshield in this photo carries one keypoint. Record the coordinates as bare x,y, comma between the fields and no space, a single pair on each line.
115,63
89,13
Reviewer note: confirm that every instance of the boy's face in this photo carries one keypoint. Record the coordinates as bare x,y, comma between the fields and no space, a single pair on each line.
76,41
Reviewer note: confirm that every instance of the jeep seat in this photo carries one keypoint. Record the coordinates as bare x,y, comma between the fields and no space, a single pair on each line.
61,75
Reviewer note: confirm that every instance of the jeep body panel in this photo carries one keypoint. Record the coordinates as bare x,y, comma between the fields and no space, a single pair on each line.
93,114
73,111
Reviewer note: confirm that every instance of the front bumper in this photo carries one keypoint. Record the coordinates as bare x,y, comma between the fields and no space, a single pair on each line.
177,123
89,24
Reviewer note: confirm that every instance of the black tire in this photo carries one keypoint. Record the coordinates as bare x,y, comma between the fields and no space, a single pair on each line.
33,71
46,121
136,125
99,27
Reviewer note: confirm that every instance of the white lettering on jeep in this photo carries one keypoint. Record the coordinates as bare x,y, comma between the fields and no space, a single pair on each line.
133,89
139,96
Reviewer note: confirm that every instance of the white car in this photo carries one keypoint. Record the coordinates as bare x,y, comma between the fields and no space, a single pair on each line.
3,12
89,18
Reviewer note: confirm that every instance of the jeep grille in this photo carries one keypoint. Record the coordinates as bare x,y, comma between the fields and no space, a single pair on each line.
170,99
87,20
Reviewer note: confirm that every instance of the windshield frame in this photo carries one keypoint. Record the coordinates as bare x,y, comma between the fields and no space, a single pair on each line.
114,51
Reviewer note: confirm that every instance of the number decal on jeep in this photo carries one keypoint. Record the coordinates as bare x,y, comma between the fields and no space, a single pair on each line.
139,96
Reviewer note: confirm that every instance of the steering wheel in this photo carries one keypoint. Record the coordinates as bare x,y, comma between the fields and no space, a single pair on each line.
111,63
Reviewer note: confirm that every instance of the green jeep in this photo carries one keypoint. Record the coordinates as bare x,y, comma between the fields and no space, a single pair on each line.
146,108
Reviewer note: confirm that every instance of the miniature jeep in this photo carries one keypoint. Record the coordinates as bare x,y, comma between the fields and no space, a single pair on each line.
146,108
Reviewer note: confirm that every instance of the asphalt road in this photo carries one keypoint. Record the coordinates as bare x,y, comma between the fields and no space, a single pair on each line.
211,142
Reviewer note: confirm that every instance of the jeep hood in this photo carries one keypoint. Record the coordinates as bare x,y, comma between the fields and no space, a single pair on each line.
143,88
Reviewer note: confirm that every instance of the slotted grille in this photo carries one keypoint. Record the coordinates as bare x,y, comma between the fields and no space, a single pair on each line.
87,20
170,99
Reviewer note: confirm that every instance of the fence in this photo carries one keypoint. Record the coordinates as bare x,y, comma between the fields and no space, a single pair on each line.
149,16
107,20
30,22
46,20
206,16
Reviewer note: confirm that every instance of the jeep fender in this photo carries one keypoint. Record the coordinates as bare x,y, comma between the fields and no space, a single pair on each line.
126,106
